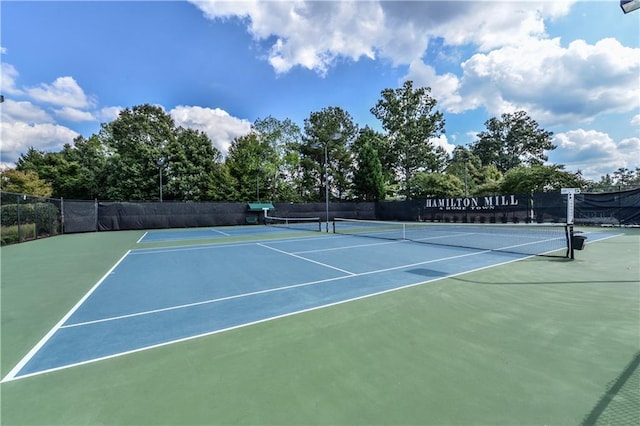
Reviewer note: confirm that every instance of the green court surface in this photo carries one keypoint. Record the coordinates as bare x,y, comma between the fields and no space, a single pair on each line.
543,341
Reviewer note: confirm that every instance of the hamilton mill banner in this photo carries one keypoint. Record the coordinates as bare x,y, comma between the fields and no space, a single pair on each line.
471,204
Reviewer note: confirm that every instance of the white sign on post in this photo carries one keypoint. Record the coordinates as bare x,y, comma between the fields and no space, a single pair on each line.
570,207
570,192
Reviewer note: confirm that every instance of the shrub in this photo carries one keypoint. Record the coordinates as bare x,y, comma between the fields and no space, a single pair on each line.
9,234
45,215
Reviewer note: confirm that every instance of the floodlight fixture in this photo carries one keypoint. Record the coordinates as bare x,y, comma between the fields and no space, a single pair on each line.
160,164
628,6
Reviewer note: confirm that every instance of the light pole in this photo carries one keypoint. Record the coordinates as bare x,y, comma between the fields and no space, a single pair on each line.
160,164
258,173
336,136
629,6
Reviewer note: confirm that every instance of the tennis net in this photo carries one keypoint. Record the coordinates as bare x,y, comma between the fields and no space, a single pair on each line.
302,223
529,239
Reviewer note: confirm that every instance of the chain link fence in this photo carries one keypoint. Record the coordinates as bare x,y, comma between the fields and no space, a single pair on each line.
27,217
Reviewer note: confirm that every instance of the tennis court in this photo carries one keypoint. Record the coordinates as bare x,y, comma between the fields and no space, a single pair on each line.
256,285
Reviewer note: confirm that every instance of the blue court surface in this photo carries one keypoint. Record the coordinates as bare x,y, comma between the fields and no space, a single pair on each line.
156,297
190,234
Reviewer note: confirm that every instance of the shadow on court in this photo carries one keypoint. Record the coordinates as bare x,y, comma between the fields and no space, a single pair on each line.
620,404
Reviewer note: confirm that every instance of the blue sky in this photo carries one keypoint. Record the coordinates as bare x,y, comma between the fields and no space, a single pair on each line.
218,66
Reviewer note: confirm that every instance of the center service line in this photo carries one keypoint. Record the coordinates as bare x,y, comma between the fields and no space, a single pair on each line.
304,258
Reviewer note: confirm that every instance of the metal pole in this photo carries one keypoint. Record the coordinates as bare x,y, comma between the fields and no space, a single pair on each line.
160,173
160,163
257,186
326,183
18,218
62,224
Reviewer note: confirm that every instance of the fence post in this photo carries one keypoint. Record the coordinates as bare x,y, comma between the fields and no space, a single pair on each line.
95,204
35,218
18,218
49,204
61,215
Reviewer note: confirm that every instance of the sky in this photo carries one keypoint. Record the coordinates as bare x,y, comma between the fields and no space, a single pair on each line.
573,66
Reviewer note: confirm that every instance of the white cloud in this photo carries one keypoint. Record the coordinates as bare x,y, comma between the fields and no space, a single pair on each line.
26,124
13,111
594,153
517,67
74,114
443,142
313,34
8,77
635,120
630,149
490,25
17,137
64,92
552,83
444,88
221,127
107,114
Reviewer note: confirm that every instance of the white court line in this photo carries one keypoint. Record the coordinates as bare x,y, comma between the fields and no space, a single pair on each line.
184,339
351,247
45,339
269,290
204,302
220,232
17,368
306,259
142,238
208,246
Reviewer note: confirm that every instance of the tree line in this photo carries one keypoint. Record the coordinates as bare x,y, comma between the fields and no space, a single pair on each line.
131,157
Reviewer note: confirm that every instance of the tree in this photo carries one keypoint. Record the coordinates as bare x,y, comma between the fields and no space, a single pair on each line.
408,116
190,166
136,142
89,159
368,180
331,128
623,176
52,167
380,143
24,182
248,160
283,137
435,185
490,181
466,167
512,141
538,178
222,186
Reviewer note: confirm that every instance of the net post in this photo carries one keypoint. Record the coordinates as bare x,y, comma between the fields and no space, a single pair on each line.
569,234
570,193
